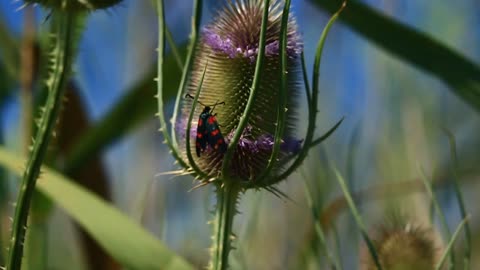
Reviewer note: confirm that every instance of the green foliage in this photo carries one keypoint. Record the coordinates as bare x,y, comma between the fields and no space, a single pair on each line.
358,220
124,239
62,53
439,211
414,47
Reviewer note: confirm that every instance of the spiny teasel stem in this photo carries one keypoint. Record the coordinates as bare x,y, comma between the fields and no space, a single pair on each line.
170,139
196,20
61,58
227,197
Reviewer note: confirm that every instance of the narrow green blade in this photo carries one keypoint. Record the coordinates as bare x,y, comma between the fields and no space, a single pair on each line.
413,46
123,238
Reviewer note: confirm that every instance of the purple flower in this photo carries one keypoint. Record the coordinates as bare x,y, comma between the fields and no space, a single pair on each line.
235,32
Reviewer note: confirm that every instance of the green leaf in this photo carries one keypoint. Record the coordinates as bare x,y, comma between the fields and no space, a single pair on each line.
413,46
123,238
134,108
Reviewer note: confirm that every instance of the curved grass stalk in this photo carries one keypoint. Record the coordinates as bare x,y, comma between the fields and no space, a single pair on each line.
282,96
253,92
191,160
174,48
159,96
61,58
313,106
308,91
438,209
358,219
449,248
460,200
196,20
334,264
171,139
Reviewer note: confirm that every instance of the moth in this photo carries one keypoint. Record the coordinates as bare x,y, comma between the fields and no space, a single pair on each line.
208,130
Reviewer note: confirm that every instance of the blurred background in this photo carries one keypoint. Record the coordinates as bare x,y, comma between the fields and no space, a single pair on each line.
394,113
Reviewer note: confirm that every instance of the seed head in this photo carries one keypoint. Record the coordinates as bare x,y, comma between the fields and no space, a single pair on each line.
230,47
403,246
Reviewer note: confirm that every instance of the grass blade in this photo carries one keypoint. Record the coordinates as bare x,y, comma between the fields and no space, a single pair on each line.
227,158
416,48
318,225
313,106
358,219
449,248
438,209
123,238
460,200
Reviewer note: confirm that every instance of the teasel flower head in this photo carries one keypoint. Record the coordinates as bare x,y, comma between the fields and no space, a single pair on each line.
225,66
402,245
75,5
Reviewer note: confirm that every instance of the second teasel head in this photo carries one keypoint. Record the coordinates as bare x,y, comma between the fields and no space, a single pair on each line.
227,51
403,245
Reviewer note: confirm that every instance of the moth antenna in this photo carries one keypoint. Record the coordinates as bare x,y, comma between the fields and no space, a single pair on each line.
192,97
203,104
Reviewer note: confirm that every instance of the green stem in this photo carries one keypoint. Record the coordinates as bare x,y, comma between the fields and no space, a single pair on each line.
61,59
313,106
308,90
174,48
227,196
460,200
318,225
160,82
438,209
191,160
282,96
452,240
196,20
358,220
253,93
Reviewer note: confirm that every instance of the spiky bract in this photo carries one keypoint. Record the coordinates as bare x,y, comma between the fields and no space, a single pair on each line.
229,47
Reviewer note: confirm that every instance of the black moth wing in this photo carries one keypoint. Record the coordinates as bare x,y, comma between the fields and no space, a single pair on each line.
214,135
201,140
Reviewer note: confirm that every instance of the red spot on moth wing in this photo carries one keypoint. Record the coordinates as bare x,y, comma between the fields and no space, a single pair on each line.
215,132
199,135
220,141
211,120
200,122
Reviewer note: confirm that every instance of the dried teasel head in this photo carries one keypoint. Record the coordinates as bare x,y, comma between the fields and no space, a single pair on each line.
402,245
